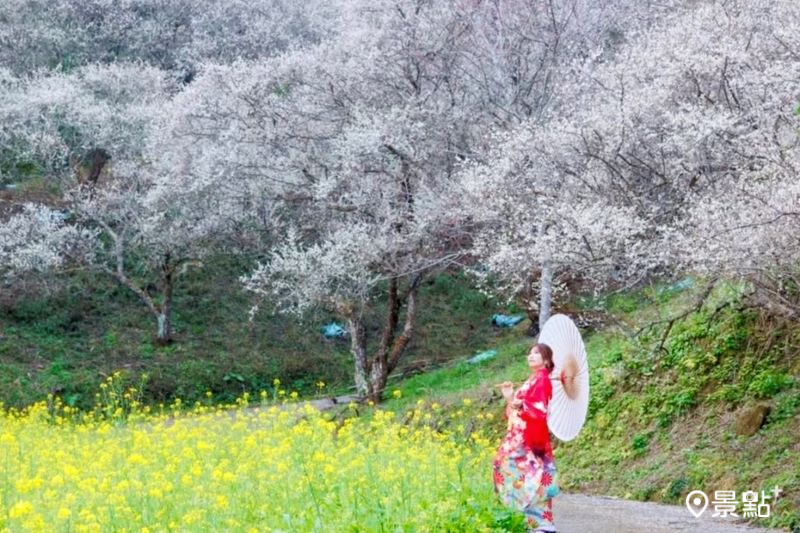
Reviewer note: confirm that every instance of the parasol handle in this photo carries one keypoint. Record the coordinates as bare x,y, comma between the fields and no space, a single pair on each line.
568,377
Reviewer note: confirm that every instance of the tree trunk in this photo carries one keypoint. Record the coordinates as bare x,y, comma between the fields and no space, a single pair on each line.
162,313
392,316
545,293
164,325
530,305
164,317
546,284
384,363
358,347
371,373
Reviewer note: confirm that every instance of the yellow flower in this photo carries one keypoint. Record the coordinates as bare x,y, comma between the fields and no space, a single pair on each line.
106,466
136,459
221,502
20,508
397,393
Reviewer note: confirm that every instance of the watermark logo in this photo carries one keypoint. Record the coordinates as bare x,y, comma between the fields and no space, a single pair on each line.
753,504
725,503
696,501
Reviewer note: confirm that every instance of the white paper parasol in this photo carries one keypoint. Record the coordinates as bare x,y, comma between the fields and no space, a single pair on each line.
567,410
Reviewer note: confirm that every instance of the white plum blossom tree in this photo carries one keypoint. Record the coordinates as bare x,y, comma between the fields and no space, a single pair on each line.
371,130
540,215
651,132
110,138
368,143
743,223
543,207
705,139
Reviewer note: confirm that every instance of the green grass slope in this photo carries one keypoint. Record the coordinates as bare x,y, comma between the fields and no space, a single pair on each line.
662,423
68,340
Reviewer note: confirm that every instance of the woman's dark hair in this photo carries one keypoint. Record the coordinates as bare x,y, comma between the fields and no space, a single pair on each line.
547,355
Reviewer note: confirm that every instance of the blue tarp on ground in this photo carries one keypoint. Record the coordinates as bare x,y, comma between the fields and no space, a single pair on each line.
483,356
506,321
678,286
333,331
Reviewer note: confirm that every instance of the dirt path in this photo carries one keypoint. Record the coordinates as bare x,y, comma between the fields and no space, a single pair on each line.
577,513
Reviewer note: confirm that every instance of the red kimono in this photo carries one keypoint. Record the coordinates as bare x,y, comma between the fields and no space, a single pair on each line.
534,414
525,476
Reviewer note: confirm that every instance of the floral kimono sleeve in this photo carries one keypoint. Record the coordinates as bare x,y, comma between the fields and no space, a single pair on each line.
534,413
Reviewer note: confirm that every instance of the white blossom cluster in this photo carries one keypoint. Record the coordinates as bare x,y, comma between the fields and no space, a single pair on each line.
356,142
37,238
675,148
177,36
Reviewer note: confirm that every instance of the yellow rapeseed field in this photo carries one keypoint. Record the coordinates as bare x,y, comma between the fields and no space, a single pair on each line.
279,467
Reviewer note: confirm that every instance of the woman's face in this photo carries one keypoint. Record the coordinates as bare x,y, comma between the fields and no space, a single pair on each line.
535,359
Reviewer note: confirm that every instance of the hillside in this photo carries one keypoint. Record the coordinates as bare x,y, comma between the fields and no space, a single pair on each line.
87,327
661,423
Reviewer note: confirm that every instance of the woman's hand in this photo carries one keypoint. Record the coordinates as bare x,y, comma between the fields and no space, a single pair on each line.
507,388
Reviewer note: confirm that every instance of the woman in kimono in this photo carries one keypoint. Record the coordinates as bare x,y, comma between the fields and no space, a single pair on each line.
524,471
